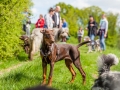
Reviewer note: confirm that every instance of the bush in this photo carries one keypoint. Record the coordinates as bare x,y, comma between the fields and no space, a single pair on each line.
11,26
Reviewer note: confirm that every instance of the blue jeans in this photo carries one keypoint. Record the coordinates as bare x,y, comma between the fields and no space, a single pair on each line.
45,26
92,37
102,41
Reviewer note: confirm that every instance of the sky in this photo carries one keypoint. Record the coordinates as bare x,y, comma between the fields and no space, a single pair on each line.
42,6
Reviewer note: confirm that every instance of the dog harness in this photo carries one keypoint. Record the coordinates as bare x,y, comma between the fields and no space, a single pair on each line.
47,53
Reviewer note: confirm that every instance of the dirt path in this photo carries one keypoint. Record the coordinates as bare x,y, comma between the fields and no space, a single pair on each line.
7,70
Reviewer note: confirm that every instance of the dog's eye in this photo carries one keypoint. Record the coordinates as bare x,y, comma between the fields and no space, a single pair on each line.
47,36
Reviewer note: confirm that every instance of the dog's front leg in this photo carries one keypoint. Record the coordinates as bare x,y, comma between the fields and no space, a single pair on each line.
44,66
50,74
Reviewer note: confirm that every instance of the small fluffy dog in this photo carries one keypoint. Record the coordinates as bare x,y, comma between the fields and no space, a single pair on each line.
64,34
95,44
36,38
98,45
107,80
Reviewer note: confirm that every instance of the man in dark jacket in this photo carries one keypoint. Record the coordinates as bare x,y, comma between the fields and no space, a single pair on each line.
56,17
92,29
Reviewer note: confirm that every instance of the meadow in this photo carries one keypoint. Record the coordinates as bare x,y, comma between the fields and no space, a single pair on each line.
19,73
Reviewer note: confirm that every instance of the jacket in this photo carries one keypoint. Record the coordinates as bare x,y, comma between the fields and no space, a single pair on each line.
41,22
54,17
92,29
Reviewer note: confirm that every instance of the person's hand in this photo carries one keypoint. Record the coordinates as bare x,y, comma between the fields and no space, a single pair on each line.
38,24
91,24
53,21
105,35
86,28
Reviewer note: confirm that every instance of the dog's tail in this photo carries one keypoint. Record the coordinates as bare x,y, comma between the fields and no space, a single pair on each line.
106,61
80,44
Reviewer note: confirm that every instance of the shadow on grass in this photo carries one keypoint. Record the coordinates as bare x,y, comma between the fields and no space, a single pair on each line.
67,86
22,56
17,77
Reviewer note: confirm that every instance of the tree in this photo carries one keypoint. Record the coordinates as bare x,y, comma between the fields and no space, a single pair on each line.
112,32
79,17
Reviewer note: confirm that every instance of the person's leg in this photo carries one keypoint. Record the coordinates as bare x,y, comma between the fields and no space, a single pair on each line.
101,46
92,39
24,27
28,30
102,42
79,39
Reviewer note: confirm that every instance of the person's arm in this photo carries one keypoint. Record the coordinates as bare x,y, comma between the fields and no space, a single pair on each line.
48,20
65,24
82,33
88,25
42,23
60,25
53,18
100,23
106,28
95,24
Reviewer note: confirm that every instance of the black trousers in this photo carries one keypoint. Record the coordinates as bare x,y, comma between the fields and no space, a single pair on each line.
24,27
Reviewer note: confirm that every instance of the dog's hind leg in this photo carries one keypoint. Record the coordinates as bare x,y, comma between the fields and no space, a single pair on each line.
79,67
44,66
69,66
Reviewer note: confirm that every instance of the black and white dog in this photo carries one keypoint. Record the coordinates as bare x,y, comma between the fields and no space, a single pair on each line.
95,44
107,80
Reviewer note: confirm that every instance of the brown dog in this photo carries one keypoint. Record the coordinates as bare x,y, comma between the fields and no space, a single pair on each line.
52,52
26,45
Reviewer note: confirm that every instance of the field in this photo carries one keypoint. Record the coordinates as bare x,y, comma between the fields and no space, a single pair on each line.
19,73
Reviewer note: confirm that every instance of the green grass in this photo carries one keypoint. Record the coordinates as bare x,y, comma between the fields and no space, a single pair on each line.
30,72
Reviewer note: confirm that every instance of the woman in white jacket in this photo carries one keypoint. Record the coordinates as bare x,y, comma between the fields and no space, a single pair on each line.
48,19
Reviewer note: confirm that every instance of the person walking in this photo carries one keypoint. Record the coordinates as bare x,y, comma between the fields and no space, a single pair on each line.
92,29
80,34
103,31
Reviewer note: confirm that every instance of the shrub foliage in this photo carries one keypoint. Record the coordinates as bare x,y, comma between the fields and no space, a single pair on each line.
79,17
11,26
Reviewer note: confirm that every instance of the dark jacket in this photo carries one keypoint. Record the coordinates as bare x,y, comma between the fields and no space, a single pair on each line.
92,30
54,17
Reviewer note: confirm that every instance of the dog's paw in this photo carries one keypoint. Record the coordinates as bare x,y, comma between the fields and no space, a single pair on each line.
43,83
